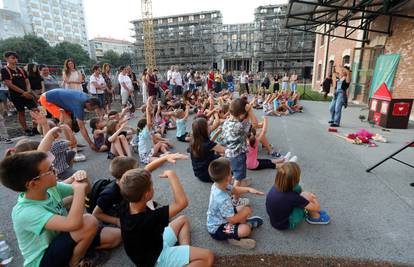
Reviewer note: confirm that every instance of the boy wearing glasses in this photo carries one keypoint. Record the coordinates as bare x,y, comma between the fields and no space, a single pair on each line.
47,234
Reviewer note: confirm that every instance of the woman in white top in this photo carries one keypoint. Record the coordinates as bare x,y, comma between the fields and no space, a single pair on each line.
144,80
72,78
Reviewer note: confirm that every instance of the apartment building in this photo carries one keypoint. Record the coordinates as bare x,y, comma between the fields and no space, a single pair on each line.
100,45
11,24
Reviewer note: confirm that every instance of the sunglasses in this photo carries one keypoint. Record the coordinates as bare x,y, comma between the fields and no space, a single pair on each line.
50,171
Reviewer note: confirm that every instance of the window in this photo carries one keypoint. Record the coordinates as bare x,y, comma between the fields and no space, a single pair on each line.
322,39
277,10
180,19
170,20
172,51
214,15
244,37
160,21
319,71
182,50
331,67
345,60
234,37
191,17
202,16
263,11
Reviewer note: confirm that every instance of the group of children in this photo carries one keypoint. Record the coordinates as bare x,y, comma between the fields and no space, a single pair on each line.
278,103
223,144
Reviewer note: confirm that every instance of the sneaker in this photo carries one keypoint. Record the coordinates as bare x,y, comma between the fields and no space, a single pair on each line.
28,132
293,159
330,122
323,219
240,202
254,221
79,157
334,125
275,154
287,156
94,259
111,155
4,140
246,182
80,145
246,243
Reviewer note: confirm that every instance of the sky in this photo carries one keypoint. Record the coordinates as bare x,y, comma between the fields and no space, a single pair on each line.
110,18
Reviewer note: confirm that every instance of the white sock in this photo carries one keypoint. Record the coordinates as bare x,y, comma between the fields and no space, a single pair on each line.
293,159
287,156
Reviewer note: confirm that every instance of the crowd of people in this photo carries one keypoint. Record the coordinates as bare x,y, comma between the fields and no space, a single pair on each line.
223,136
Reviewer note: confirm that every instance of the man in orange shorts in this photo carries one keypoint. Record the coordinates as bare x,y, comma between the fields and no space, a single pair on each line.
74,104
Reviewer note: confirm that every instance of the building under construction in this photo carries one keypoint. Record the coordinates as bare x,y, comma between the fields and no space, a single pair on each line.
201,41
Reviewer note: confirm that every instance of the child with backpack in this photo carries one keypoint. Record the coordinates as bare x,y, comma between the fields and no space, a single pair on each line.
287,205
47,234
105,196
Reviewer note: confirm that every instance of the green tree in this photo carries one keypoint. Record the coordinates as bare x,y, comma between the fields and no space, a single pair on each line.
110,57
30,49
125,59
67,50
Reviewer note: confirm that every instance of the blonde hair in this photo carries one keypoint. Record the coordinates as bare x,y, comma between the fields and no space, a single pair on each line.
287,177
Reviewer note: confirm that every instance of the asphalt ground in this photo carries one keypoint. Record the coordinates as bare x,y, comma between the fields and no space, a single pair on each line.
372,213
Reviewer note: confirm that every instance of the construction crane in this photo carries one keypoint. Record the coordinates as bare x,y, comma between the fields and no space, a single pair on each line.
148,30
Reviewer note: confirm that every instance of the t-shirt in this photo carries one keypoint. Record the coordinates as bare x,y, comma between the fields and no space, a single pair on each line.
125,79
30,217
251,161
176,76
70,100
181,129
50,83
110,199
18,79
144,141
234,137
36,82
142,234
99,80
243,78
220,208
59,150
279,205
200,165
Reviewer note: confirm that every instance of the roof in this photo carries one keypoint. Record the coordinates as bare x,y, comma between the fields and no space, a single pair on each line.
382,93
110,40
180,15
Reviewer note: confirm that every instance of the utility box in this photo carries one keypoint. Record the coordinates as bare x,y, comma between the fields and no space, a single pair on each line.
389,112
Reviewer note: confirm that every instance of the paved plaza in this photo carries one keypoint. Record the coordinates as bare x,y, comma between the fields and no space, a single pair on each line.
372,213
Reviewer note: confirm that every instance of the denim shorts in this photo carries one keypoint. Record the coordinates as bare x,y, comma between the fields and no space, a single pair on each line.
4,95
238,166
172,255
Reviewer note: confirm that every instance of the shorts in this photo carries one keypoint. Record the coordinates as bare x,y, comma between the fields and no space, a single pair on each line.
60,251
124,97
4,95
285,86
226,231
146,157
298,214
238,166
172,255
53,109
182,138
20,103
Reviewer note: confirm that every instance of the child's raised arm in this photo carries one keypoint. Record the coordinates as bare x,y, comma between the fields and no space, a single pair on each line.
115,135
251,115
67,131
47,141
264,128
180,198
148,112
187,112
240,190
152,166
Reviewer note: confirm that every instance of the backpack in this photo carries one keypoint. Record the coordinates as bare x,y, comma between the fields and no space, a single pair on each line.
19,70
97,188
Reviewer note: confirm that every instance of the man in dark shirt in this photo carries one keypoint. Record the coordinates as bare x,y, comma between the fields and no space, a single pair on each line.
149,238
16,80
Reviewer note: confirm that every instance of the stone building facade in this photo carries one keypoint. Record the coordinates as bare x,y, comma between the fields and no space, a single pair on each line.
202,41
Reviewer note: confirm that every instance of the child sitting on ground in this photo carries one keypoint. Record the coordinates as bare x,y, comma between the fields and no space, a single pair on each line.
224,221
149,236
181,121
287,205
147,151
202,149
47,234
109,199
235,130
252,162
119,146
98,127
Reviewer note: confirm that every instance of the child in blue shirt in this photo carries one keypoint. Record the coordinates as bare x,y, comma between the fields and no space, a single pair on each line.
181,121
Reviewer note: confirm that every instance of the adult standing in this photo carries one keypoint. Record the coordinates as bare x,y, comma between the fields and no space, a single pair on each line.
36,81
73,103
285,82
72,78
135,84
16,80
210,80
276,83
266,82
49,81
169,76
177,81
230,81
326,86
97,87
152,82
341,82
293,81
144,85
127,89
244,86
109,92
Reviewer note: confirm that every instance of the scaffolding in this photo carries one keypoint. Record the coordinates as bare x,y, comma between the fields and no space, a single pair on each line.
148,31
